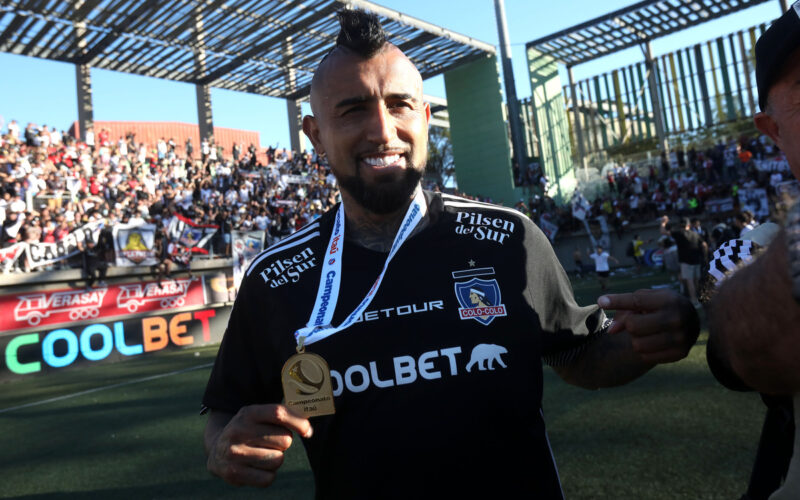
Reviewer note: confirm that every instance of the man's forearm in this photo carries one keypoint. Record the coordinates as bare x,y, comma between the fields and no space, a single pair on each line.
754,323
608,361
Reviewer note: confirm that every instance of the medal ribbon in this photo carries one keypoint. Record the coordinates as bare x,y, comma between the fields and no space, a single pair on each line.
319,324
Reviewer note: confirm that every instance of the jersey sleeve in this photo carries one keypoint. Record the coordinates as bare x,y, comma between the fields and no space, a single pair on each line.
566,327
239,373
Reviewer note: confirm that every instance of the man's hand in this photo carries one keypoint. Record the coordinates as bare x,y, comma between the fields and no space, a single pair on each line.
662,324
247,449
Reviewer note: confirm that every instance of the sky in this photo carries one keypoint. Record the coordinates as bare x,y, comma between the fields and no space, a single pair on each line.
44,92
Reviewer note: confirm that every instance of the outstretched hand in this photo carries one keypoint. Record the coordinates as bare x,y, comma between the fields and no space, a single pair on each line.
663,325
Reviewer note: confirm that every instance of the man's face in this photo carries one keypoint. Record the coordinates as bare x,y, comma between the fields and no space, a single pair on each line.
371,122
782,123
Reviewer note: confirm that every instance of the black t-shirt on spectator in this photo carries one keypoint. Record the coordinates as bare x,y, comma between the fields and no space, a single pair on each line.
690,246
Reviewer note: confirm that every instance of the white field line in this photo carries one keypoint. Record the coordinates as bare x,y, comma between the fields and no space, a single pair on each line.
103,388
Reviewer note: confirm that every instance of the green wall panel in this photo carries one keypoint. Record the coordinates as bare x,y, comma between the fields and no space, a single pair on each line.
478,131
552,126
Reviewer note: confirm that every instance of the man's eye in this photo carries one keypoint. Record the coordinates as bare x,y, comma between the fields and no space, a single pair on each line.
354,109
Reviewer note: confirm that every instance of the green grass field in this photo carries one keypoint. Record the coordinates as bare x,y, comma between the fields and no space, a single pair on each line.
132,431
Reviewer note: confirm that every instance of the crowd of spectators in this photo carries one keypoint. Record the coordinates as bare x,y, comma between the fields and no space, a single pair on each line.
681,185
53,183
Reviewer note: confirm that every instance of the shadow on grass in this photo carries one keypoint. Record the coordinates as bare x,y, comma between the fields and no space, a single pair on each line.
294,485
675,433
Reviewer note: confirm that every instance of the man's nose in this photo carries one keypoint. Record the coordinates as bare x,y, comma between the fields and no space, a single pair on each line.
380,126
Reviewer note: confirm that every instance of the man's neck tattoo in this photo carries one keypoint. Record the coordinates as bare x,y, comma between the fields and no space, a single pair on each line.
377,236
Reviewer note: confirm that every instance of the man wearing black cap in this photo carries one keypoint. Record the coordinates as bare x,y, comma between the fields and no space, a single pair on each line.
754,315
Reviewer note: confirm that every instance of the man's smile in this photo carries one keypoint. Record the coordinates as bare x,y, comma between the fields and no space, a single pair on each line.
384,160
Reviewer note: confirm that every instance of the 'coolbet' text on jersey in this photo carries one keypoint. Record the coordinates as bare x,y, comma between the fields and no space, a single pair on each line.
438,384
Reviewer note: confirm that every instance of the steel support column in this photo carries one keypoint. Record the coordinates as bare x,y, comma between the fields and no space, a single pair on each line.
83,81
518,153
83,84
294,113
205,119
295,116
701,78
652,82
577,127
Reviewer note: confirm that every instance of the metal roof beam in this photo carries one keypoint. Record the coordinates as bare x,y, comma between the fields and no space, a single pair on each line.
280,36
12,27
137,15
649,19
419,24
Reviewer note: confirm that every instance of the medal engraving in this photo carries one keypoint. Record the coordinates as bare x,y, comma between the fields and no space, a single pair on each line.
307,388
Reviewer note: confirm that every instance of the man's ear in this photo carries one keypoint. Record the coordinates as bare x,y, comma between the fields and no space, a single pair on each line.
311,130
767,125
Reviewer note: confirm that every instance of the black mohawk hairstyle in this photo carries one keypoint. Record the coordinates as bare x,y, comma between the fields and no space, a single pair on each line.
360,32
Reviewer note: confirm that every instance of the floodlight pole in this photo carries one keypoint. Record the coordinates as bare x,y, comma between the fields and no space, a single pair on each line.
784,6
511,93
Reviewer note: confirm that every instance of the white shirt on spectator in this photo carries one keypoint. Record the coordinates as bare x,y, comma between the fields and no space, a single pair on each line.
13,129
231,196
600,261
262,221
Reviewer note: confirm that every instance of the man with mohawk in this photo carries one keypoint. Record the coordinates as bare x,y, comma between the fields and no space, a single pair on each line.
411,420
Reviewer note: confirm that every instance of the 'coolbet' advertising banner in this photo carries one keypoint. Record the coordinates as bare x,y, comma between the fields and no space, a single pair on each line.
46,351
42,331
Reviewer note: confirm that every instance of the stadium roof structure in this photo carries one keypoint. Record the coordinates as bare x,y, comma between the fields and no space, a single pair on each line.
631,26
267,47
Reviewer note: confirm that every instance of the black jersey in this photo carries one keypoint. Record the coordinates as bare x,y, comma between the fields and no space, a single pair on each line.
438,386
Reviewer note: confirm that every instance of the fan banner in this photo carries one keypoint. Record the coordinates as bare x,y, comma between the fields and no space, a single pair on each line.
133,244
246,245
43,254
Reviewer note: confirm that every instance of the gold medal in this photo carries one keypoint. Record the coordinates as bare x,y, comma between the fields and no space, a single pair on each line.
307,387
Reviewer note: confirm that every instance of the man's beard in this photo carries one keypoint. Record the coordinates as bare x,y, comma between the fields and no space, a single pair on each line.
386,194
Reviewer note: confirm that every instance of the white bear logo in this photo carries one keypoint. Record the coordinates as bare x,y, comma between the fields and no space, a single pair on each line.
484,355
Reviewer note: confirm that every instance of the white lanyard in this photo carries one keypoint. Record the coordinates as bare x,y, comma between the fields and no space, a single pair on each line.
319,324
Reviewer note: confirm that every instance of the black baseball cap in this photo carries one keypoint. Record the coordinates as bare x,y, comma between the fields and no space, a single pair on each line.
774,47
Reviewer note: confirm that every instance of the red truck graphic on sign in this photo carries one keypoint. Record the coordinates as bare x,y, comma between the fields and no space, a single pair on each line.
80,304
172,294
40,308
